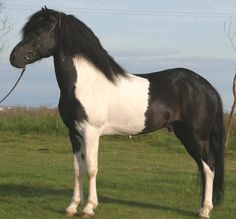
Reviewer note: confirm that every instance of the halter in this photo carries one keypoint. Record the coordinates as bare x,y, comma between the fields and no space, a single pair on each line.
28,58
33,54
57,22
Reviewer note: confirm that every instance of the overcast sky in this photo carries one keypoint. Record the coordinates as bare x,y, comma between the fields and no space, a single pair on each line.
143,36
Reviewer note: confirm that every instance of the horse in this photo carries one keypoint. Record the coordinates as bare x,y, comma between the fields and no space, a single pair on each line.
98,97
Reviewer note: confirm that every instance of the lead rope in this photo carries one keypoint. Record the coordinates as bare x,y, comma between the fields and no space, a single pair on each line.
13,86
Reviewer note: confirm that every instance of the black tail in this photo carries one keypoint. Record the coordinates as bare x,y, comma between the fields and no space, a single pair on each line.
217,143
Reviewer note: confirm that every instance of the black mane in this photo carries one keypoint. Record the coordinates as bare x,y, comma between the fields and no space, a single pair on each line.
74,38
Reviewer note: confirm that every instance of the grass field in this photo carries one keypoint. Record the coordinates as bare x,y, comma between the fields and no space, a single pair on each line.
149,176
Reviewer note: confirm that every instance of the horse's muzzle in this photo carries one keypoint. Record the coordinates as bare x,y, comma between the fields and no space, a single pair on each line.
17,60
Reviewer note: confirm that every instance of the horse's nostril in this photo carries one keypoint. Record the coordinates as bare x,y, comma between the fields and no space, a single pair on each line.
13,56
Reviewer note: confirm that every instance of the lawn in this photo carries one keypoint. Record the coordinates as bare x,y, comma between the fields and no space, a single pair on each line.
145,177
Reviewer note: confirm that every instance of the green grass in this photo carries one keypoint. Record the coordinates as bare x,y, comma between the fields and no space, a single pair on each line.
23,120
147,177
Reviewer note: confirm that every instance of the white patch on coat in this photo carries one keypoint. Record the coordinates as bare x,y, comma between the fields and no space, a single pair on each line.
113,108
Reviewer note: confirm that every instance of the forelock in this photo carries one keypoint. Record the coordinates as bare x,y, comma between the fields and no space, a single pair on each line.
41,20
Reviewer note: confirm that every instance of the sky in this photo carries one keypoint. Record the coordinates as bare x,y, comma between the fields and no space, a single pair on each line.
142,36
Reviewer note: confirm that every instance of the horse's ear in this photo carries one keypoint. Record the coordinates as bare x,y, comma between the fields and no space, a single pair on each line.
44,8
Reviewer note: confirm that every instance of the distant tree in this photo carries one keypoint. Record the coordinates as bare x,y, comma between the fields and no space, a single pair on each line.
5,26
231,36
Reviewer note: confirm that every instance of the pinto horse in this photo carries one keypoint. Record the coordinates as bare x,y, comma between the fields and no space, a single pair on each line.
98,97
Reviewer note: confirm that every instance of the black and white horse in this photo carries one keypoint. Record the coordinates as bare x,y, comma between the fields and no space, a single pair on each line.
98,97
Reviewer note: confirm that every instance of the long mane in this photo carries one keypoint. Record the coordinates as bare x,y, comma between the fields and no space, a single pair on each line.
74,38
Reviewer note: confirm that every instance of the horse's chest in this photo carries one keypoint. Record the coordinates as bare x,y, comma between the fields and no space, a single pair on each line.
117,109
113,107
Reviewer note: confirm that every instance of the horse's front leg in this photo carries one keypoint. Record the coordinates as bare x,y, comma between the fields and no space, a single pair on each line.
91,157
78,151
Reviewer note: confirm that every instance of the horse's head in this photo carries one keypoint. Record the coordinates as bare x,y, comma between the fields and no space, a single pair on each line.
38,38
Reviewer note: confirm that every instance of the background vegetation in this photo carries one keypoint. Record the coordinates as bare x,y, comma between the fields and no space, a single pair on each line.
147,176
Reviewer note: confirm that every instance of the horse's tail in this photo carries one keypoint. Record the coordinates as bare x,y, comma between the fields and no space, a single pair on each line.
217,143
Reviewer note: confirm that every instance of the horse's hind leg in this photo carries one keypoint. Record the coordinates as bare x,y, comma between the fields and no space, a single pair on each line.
207,177
200,151
207,204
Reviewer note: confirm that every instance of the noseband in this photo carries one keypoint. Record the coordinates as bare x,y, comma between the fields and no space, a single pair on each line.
33,54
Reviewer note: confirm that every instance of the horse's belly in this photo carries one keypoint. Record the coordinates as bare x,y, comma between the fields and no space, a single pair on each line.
123,129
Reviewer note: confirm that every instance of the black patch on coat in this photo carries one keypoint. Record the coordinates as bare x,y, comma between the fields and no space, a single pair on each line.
175,95
189,104
70,108
75,140
82,156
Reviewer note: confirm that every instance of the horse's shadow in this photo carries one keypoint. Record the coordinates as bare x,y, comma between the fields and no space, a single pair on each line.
139,204
34,191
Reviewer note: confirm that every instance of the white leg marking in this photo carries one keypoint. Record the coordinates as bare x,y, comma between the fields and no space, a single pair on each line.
91,156
78,189
207,203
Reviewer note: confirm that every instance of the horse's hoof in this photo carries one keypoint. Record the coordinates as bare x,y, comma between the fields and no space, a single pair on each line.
204,216
87,215
70,214
204,212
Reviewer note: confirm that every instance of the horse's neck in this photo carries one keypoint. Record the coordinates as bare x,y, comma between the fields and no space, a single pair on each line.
65,74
